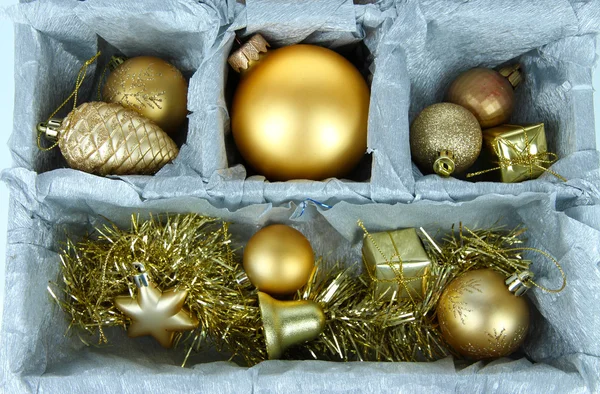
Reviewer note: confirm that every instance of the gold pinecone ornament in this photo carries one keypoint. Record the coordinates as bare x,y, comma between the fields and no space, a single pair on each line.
109,139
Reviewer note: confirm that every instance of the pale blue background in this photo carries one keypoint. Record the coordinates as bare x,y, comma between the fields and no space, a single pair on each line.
6,114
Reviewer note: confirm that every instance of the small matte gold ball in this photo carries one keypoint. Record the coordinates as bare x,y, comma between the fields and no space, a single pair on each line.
278,259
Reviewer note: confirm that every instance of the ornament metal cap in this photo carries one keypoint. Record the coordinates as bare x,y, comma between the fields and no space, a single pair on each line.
444,165
512,73
519,282
115,62
141,279
50,129
288,323
249,52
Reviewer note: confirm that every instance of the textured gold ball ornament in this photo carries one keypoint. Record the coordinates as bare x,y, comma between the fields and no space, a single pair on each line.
299,112
108,139
150,86
480,318
278,259
445,138
487,93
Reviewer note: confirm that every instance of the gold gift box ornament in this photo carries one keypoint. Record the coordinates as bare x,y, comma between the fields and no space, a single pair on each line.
397,263
520,152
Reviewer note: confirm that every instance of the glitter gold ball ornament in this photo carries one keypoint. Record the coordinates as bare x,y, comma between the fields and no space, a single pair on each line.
299,112
150,86
480,318
445,138
278,259
156,313
487,93
108,139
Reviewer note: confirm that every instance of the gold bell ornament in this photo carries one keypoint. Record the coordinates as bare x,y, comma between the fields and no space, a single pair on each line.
299,112
149,86
289,323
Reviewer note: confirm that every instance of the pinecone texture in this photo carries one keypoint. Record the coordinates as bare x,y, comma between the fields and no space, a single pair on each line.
109,139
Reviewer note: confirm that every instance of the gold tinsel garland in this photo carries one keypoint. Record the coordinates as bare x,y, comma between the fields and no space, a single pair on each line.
194,252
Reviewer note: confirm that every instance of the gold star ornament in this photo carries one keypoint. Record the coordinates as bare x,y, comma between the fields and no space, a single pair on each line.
154,312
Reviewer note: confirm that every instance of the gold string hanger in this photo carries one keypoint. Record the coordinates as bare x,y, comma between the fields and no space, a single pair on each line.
74,95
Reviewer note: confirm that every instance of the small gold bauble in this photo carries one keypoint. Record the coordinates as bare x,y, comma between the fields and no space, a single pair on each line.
480,318
300,112
152,87
487,93
278,259
449,128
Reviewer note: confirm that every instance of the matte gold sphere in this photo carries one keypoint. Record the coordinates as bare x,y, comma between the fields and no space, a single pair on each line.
445,127
486,93
152,87
278,259
300,112
480,318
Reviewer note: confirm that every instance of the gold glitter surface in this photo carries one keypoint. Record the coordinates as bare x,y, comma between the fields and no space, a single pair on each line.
445,126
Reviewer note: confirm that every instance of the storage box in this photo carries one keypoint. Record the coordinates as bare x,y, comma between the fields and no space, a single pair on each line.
413,50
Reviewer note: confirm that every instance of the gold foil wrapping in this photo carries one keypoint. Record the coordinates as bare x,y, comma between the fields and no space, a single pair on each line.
397,262
520,151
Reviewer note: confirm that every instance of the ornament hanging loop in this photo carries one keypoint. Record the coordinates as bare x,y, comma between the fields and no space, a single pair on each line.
444,165
529,281
42,128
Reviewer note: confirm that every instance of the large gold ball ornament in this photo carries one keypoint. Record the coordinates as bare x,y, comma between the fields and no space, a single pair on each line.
278,259
152,87
300,112
445,138
480,318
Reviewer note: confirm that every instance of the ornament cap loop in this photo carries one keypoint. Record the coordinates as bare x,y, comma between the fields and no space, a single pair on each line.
512,73
242,59
50,129
520,282
115,62
444,165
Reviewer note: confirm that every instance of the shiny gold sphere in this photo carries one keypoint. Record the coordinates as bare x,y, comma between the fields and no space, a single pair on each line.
152,87
445,127
480,318
487,94
301,112
278,260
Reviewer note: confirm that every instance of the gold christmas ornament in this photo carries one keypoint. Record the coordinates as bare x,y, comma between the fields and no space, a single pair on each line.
299,112
150,86
289,323
520,152
480,318
445,138
278,259
155,313
108,139
487,93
